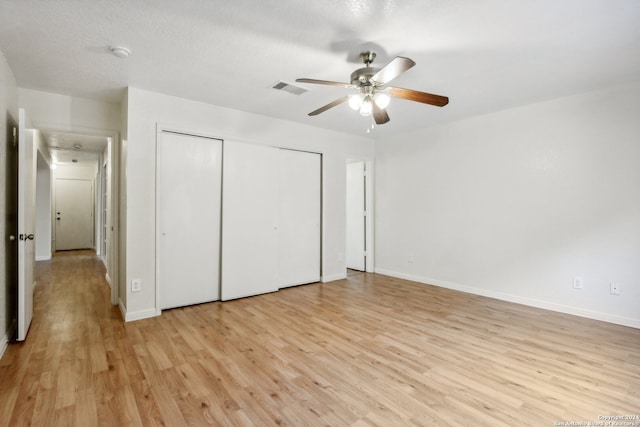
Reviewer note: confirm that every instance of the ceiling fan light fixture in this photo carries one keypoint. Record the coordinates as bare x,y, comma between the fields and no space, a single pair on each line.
381,99
366,107
355,101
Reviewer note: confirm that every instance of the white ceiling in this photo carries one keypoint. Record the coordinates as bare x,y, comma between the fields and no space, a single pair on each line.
485,55
70,148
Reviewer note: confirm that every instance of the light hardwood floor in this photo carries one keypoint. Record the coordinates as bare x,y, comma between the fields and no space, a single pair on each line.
367,351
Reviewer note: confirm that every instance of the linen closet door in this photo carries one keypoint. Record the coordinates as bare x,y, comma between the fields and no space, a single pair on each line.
299,218
189,183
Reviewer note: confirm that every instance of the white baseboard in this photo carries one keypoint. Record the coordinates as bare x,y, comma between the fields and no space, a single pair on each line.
4,343
108,279
334,277
136,315
547,305
43,257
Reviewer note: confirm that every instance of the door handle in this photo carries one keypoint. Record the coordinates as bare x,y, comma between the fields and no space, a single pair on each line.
12,237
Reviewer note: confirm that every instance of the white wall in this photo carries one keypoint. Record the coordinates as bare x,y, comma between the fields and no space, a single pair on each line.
513,204
147,109
43,209
8,107
52,111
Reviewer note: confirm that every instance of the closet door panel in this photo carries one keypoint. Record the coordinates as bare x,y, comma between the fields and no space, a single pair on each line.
189,173
249,220
299,218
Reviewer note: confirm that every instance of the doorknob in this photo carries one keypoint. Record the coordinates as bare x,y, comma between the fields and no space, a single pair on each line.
12,237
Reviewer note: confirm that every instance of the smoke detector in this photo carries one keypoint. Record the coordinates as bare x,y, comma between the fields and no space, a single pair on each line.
120,51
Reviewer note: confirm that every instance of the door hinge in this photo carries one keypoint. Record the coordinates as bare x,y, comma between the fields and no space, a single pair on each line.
364,213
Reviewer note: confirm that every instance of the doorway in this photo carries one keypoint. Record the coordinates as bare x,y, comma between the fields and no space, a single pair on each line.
90,156
359,216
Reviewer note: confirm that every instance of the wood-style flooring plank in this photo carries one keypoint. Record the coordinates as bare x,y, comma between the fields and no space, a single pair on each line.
369,350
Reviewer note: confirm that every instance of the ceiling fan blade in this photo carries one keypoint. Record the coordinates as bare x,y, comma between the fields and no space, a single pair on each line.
379,114
326,82
393,69
414,95
329,105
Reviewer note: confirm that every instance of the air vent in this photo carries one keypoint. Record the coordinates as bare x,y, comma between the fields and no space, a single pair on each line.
287,87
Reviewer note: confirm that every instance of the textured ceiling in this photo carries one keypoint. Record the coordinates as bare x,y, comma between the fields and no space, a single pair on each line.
69,148
485,55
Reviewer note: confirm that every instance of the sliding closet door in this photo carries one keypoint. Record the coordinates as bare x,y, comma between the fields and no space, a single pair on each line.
299,218
250,220
189,186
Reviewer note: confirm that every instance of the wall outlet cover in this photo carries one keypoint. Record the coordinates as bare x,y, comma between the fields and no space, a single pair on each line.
578,282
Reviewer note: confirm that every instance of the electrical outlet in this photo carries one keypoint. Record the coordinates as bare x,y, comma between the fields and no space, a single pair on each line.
135,285
614,288
411,258
578,282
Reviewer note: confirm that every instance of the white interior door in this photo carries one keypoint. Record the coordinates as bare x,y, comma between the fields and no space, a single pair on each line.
189,182
356,235
26,225
299,218
249,220
74,214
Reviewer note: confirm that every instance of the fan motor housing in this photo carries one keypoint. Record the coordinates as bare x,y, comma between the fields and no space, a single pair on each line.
362,76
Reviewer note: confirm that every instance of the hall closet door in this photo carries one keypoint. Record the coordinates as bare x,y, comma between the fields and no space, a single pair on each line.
299,215
189,190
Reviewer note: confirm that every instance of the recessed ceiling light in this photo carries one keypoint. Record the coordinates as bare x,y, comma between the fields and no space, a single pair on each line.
121,52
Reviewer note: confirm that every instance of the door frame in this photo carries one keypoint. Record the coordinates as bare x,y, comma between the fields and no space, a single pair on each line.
112,257
369,181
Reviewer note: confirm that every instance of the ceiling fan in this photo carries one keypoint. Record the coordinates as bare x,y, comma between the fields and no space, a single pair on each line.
373,95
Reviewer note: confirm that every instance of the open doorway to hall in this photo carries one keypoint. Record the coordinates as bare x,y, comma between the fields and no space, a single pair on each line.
79,198
76,206
359,216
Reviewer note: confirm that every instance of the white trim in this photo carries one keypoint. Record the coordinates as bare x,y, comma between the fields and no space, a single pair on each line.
138,315
333,277
4,343
547,305
43,257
